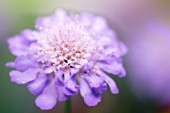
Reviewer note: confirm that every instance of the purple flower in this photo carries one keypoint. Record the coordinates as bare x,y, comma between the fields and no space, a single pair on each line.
149,62
63,50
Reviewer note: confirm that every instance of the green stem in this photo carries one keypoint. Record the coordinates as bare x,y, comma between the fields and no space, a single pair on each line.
67,106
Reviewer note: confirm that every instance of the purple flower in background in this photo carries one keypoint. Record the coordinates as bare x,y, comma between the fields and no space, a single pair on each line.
66,54
149,62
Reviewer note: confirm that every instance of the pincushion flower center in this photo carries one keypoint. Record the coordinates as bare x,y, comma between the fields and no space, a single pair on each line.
68,48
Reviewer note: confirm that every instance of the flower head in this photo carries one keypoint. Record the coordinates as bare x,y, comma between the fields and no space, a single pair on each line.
63,50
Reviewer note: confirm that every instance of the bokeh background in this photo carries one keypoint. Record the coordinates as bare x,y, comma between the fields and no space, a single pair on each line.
143,25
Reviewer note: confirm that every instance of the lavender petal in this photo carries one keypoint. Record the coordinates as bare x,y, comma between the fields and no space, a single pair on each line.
89,97
47,99
110,82
23,77
38,85
23,63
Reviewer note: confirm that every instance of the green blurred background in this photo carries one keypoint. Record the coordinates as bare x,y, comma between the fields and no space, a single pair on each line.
129,19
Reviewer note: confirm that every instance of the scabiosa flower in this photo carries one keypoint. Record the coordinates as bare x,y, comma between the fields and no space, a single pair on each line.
66,54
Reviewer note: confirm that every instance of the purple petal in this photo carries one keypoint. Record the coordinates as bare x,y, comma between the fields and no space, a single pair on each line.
101,89
71,87
25,77
48,99
59,75
59,15
73,71
65,86
23,63
60,86
60,93
89,97
112,51
86,19
109,81
29,34
45,22
38,85
97,83
18,45
114,68
92,100
48,70
70,83
105,41
42,22
123,48
10,64
99,25
94,81
114,48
